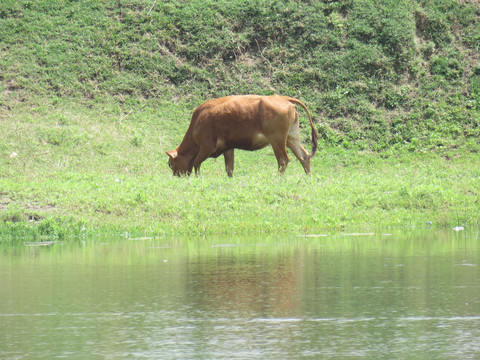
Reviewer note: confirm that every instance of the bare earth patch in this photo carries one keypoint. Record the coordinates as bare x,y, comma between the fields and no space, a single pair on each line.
32,211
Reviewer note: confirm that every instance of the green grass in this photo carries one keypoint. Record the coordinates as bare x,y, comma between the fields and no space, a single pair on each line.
376,75
101,171
93,93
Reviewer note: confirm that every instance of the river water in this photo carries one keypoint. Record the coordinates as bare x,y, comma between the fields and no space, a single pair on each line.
411,295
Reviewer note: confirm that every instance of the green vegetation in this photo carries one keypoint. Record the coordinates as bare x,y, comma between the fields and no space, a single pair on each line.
93,92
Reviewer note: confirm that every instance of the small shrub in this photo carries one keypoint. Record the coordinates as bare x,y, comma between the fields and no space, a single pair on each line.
393,98
449,68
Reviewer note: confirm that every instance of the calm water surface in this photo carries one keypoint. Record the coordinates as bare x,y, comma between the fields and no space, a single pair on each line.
400,296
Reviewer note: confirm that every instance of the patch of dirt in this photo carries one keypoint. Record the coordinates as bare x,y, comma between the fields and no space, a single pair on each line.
31,210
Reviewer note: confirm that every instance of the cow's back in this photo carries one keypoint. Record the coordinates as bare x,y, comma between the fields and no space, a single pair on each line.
244,111
244,122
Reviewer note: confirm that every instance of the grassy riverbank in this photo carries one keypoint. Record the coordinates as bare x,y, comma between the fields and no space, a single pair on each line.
93,93
79,170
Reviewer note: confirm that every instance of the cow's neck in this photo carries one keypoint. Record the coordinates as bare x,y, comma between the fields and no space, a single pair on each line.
187,147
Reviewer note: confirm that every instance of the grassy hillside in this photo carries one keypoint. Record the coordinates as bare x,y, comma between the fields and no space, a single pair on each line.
378,73
93,92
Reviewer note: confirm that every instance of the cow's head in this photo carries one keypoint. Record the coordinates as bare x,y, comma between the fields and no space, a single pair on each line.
180,165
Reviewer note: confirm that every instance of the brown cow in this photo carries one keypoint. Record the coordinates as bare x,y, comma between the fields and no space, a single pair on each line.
248,122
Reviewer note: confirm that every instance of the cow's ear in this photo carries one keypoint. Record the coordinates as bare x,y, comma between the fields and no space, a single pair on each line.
172,153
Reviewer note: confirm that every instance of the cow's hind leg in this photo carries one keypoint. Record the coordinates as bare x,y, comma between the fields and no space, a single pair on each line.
229,161
293,143
300,152
281,155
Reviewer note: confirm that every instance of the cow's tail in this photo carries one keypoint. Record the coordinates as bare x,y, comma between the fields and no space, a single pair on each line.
314,131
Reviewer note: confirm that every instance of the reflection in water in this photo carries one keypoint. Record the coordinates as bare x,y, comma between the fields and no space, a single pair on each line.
370,296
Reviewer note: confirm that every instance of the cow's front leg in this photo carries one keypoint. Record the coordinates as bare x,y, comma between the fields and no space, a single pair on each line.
202,155
229,161
197,170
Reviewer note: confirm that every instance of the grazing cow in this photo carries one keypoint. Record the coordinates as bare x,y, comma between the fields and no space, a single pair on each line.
248,122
